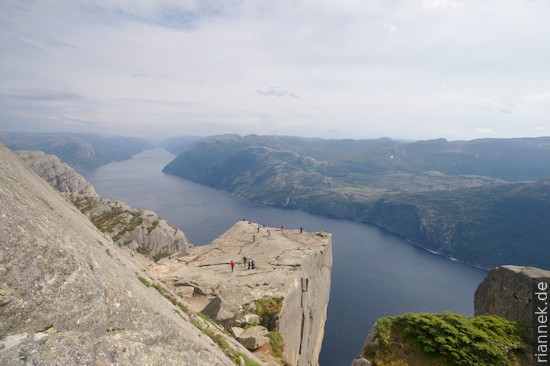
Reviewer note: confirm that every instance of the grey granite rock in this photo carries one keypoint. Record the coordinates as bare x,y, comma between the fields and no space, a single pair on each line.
140,230
72,297
292,265
254,337
507,291
57,173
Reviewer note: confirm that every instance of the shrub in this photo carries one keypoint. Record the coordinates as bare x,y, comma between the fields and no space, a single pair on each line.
268,310
459,340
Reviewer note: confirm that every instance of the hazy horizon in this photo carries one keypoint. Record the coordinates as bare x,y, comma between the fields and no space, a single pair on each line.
155,141
405,69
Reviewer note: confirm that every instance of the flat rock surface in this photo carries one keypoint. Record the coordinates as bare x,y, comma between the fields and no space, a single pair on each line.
278,257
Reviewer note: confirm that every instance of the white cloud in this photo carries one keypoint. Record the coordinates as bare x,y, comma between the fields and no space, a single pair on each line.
537,97
275,91
439,4
364,69
485,131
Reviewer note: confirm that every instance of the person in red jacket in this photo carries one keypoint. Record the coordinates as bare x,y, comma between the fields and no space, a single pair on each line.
232,265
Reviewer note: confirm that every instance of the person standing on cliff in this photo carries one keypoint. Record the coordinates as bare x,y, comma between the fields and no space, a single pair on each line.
232,265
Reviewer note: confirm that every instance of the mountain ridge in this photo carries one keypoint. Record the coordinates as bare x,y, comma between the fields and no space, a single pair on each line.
384,185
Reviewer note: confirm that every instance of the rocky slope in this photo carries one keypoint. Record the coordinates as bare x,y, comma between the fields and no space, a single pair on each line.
289,264
69,296
140,230
61,176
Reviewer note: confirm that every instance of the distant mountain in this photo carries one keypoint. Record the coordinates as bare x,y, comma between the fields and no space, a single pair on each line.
486,226
81,151
177,145
430,192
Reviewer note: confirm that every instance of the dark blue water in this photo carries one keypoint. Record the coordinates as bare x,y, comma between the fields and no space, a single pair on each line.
374,274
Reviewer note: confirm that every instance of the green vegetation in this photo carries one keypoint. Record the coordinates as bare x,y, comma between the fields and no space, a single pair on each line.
277,344
165,294
143,250
454,339
268,310
153,226
144,281
157,257
222,343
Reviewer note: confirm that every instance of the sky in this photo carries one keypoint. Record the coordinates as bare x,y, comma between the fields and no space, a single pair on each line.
405,69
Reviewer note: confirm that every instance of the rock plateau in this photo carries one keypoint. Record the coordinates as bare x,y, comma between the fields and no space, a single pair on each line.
289,264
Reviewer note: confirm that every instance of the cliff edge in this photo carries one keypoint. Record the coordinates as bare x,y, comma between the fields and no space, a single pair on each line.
292,271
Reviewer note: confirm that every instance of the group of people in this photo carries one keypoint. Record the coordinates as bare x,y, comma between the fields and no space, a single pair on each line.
249,261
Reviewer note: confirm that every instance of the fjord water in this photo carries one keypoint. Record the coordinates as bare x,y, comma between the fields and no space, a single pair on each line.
374,273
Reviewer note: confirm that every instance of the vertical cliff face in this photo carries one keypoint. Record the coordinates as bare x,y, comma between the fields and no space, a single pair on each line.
69,296
508,291
290,265
305,309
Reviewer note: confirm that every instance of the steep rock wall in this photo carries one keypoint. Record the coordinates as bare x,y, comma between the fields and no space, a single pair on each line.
69,296
508,292
304,309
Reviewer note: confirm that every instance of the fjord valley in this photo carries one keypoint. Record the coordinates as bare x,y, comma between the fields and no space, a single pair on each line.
417,202
485,202
374,273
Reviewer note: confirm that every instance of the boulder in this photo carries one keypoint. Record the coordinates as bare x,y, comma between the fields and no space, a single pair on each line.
236,331
508,291
185,291
251,319
221,311
254,337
